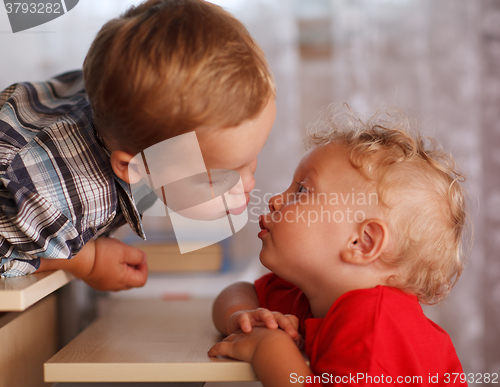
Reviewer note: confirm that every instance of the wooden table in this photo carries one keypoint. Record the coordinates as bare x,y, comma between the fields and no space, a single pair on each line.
19,293
147,341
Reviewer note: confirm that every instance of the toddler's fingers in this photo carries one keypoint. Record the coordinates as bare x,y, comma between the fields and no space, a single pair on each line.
267,317
244,322
300,343
289,324
294,319
239,321
224,348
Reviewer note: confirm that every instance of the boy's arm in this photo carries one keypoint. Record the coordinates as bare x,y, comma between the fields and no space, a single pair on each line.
104,264
274,356
80,265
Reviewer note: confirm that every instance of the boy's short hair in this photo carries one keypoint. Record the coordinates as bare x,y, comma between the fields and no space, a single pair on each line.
418,185
166,67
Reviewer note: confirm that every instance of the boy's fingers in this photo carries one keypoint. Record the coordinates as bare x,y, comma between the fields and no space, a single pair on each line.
134,256
136,276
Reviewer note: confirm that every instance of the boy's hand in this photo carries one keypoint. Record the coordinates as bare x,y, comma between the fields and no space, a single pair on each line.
261,317
117,266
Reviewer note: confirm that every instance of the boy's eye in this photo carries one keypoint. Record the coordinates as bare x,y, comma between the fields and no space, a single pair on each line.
302,188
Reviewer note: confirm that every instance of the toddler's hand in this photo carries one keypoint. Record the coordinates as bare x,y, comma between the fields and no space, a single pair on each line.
117,266
246,319
242,346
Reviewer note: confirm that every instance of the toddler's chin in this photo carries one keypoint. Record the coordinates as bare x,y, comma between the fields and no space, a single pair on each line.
265,258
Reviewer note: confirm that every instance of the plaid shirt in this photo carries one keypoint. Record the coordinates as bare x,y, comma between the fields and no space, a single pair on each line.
57,188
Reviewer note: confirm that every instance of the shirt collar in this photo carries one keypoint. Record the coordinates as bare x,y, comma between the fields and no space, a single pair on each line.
128,207
125,197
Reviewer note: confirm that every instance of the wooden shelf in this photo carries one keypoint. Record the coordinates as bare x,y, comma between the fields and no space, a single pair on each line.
166,258
147,341
19,293
28,340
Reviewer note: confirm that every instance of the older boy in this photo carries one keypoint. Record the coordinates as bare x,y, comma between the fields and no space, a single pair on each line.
371,225
162,69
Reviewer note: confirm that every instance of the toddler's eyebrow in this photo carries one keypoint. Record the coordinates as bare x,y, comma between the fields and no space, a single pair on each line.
310,173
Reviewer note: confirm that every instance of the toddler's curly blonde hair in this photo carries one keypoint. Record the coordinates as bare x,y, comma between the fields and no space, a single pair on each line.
419,186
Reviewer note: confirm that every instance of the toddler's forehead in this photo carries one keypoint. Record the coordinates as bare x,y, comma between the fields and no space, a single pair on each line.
328,159
331,167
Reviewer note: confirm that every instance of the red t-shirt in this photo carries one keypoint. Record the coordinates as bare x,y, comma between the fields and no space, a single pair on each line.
369,336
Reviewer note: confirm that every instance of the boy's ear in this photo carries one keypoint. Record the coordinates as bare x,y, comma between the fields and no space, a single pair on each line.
124,167
368,244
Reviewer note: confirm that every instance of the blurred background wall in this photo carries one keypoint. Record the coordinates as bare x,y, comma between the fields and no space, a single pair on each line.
439,59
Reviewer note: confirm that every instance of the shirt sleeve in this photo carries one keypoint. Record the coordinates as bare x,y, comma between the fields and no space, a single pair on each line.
25,238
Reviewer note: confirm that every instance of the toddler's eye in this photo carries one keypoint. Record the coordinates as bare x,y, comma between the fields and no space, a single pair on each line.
302,189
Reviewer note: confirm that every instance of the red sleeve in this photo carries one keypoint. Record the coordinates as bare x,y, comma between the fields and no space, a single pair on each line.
276,294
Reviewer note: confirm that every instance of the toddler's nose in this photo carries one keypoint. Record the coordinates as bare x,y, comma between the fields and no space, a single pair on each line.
276,202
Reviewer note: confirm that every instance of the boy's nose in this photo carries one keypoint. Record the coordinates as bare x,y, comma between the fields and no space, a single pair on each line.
247,179
249,183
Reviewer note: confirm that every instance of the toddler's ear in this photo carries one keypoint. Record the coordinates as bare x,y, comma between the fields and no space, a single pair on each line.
367,245
124,167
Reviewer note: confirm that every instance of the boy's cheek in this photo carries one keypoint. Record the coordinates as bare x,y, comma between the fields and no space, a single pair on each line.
236,200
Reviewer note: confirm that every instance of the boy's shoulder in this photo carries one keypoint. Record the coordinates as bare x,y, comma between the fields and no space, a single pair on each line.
31,110
58,187
48,144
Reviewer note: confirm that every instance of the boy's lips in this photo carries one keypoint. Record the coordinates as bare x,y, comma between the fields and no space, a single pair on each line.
239,210
263,226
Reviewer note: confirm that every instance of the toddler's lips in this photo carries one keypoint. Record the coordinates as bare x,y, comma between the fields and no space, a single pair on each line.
263,227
